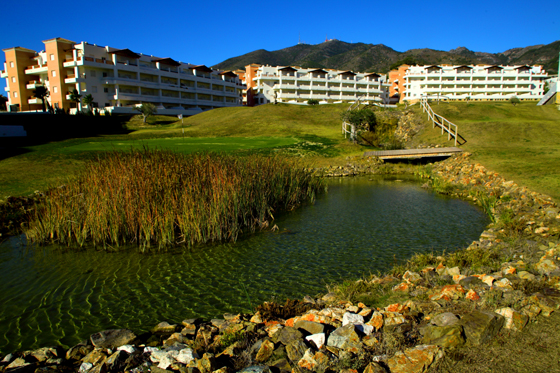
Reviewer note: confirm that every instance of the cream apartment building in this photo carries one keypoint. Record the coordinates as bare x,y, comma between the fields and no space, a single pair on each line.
118,79
473,82
297,85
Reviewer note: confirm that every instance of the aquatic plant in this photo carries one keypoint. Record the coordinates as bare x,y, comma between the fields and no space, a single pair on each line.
155,198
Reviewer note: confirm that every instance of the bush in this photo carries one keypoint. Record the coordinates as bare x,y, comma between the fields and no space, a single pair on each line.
312,101
514,100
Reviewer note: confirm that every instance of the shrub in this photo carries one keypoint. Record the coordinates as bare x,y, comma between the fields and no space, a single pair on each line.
150,197
514,100
312,101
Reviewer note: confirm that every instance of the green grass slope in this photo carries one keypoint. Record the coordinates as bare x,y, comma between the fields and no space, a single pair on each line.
520,142
294,129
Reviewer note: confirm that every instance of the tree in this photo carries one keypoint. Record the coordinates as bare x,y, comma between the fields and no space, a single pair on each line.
361,118
3,101
75,97
312,101
87,100
41,93
146,109
514,100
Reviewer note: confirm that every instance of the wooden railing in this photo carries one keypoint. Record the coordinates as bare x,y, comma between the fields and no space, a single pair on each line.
347,128
438,120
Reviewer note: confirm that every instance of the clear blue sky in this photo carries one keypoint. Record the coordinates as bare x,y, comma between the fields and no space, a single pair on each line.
208,32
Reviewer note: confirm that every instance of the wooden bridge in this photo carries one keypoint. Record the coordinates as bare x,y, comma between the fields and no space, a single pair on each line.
414,153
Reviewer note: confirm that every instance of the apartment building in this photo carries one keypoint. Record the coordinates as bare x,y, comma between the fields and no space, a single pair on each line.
290,84
117,79
472,82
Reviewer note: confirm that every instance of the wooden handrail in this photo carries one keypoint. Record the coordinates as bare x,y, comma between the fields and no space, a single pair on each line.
446,125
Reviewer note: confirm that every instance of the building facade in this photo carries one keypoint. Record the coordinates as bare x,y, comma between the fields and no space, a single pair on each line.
473,82
117,79
266,84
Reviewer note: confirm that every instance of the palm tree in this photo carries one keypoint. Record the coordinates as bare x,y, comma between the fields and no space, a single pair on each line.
41,92
87,100
75,97
3,101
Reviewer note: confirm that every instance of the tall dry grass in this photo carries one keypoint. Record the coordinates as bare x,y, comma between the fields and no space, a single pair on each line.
157,199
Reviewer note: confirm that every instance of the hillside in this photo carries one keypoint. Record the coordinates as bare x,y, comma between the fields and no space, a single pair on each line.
336,54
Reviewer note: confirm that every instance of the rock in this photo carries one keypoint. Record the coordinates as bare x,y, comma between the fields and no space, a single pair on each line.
411,277
19,363
444,336
404,287
376,321
449,292
531,310
370,341
504,283
481,326
414,360
127,348
472,295
318,339
282,365
444,319
352,318
265,351
393,318
374,368
546,305
257,318
112,338
546,266
330,297
295,350
96,356
526,276
219,323
84,367
315,362
365,312
186,355
514,320
255,369
44,354
289,334
116,361
207,363
163,328
345,338
455,271
310,326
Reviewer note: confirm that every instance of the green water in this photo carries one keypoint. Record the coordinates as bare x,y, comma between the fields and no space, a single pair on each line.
52,296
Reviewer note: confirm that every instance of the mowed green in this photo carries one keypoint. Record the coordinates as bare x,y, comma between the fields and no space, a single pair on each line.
263,129
519,142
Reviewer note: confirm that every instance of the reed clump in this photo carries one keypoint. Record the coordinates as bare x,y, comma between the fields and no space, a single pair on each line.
158,199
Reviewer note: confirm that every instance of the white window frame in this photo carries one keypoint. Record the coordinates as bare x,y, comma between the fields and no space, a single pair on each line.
53,73
52,56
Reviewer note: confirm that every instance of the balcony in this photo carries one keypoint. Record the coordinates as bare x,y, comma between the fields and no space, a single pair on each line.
36,69
34,100
4,74
33,84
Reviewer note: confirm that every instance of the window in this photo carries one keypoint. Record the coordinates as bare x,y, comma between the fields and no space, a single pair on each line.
55,89
53,73
93,73
52,57
93,89
106,90
15,94
13,79
11,63
105,75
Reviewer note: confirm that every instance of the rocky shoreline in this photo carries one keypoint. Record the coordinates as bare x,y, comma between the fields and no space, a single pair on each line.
404,321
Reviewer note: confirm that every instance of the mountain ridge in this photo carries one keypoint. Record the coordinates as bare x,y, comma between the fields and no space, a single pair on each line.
336,54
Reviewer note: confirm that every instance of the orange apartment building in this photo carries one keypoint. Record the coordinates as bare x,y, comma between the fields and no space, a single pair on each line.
396,77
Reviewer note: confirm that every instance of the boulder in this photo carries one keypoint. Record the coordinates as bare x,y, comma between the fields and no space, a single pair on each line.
315,362
414,360
296,349
112,338
256,369
164,328
443,336
514,320
445,319
310,326
376,321
318,339
352,318
265,351
345,338
481,326
186,355
374,367
289,334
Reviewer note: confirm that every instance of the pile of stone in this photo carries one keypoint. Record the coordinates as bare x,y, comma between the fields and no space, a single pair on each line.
442,307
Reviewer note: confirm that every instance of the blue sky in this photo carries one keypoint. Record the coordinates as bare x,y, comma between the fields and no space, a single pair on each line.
208,32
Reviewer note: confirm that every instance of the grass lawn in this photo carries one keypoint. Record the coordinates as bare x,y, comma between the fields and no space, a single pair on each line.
310,131
519,142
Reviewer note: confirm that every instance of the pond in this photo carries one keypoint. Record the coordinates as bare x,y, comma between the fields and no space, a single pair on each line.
51,295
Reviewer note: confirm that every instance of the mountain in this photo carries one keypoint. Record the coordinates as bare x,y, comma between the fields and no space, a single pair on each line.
336,54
